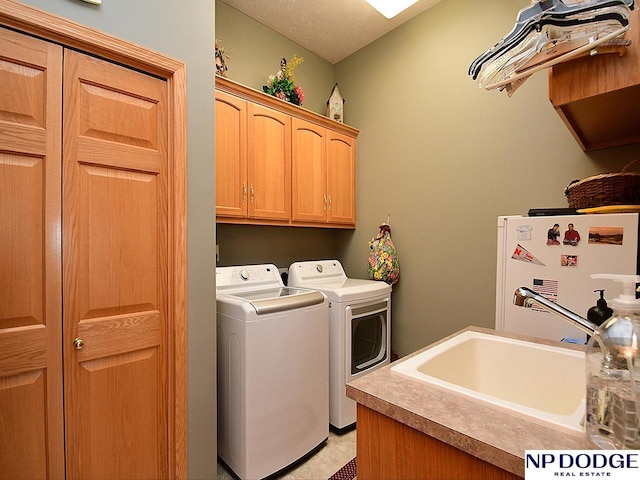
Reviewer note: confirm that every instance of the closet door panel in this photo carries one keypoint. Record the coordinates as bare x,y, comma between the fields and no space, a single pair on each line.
31,412
115,203
127,417
117,248
23,425
21,237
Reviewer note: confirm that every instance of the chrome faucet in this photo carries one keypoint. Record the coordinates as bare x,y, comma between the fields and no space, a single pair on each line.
525,297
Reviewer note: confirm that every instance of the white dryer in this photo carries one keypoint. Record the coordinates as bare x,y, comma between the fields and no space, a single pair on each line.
360,329
273,371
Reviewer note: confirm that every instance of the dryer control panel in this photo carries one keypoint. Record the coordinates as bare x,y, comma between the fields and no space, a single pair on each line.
315,270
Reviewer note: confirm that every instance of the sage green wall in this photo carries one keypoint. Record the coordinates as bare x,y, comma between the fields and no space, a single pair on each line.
186,32
249,244
445,158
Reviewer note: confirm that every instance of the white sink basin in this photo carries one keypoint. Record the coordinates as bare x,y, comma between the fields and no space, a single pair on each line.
543,383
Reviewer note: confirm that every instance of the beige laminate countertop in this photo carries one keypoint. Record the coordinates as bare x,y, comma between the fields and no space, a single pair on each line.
492,435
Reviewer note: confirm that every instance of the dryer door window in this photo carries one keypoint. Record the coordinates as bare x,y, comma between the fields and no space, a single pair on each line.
368,332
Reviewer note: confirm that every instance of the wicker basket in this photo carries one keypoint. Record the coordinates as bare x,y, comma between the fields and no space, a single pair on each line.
607,189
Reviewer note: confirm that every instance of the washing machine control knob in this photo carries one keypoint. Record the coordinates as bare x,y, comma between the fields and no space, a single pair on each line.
244,275
319,268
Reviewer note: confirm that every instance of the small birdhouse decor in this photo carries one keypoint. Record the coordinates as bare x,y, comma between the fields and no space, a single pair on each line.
335,105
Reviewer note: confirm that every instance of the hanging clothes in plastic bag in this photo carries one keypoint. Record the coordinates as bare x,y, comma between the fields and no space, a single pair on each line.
383,259
549,32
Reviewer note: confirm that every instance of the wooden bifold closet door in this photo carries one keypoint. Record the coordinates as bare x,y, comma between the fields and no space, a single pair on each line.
114,238
84,266
31,424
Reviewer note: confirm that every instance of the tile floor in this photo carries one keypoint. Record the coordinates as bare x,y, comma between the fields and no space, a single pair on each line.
338,450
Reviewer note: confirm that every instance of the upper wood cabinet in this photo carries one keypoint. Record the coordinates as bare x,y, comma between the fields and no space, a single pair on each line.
253,160
341,178
323,187
93,264
279,164
309,178
269,163
231,155
598,97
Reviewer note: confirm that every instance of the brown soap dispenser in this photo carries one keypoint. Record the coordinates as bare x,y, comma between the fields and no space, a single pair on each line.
599,312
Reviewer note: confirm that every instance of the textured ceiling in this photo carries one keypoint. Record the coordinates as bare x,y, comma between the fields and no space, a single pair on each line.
332,29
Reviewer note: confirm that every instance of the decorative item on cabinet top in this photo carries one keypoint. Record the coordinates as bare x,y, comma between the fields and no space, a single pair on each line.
232,87
335,105
282,84
221,60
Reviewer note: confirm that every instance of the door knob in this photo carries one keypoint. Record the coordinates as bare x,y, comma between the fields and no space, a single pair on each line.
78,343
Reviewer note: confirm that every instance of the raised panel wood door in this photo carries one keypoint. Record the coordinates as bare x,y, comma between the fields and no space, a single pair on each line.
308,172
341,178
231,156
115,229
269,164
31,415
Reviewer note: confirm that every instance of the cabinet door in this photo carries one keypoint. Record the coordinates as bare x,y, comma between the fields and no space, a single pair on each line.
231,156
269,165
341,178
31,420
115,230
309,172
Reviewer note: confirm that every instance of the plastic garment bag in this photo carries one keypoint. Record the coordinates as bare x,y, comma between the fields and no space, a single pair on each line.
550,32
383,258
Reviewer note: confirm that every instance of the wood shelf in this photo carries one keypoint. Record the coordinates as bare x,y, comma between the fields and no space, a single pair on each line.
598,98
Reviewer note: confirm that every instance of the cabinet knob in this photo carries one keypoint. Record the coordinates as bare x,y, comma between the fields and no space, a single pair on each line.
244,192
325,202
252,193
330,202
78,343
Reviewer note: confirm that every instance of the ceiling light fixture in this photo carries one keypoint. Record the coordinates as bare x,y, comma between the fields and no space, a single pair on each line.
391,8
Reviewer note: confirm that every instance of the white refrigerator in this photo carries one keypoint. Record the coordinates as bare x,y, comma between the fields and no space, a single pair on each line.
555,256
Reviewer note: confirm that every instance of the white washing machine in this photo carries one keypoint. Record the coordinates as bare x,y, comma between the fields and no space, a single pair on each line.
360,329
273,371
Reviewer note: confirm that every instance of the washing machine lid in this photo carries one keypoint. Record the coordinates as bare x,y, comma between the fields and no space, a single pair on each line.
273,300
